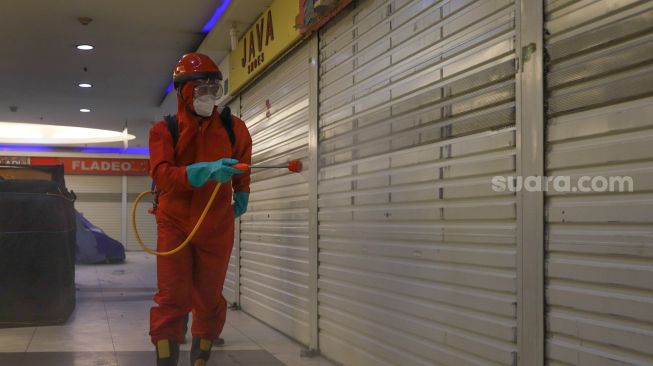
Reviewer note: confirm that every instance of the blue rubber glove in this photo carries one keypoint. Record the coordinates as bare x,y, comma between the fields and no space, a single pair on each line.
240,203
223,170
200,173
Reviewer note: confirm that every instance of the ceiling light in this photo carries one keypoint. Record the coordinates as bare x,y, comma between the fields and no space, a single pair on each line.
28,133
85,47
216,16
85,110
85,85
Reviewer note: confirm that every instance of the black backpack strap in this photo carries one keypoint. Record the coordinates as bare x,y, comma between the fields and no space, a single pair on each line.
173,127
228,123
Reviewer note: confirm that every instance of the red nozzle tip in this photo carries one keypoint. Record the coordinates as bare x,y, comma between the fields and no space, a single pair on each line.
241,166
295,166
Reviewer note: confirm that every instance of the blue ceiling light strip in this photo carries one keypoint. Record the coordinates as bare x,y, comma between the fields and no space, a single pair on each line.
83,150
169,88
216,16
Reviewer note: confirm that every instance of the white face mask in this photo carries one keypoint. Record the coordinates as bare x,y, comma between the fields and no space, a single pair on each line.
203,105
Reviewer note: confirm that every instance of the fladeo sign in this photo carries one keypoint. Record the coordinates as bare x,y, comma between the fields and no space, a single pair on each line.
96,166
272,34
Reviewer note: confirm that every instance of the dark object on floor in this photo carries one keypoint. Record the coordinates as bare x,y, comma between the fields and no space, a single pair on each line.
37,252
94,246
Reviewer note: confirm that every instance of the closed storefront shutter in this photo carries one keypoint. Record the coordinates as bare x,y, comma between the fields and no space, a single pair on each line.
417,251
99,199
274,231
599,245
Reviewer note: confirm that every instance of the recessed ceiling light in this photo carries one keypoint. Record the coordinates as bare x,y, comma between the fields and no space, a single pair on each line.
85,85
84,110
85,47
29,133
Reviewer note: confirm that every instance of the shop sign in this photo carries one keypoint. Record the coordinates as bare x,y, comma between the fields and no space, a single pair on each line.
271,35
96,166
14,160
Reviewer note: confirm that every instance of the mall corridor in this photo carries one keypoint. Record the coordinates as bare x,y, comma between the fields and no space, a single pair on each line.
110,324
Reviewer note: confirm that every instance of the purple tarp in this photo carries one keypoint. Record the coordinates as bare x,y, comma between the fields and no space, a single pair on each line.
94,246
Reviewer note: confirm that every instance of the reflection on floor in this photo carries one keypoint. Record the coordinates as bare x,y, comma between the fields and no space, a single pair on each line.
111,321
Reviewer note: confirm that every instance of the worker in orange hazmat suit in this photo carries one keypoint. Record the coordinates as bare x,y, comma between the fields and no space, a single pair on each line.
189,154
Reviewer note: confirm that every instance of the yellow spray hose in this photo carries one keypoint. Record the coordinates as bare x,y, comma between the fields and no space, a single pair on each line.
190,236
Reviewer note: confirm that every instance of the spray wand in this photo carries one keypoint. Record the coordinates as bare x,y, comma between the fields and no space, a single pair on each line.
294,166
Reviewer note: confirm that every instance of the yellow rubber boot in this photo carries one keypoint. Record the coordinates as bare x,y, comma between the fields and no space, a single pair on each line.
167,353
200,351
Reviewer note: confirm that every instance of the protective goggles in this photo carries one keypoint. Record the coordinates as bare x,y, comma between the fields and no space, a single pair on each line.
209,87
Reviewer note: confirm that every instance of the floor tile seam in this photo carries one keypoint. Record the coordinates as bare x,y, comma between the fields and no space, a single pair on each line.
244,334
106,312
259,345
31,338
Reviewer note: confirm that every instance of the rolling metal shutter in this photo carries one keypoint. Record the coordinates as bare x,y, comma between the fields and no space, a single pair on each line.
599,246
231,285
146,222
99,198
417,252
274,231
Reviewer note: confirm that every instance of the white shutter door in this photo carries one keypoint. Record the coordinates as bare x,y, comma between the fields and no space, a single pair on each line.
599,246
229,289
146,222
274,231
417,252
99,199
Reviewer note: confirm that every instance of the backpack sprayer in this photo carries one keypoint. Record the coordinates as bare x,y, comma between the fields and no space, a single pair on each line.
294,166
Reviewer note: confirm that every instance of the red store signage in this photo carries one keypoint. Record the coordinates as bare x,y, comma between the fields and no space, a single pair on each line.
97,166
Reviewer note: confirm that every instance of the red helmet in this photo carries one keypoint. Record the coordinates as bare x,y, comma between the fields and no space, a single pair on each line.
193,66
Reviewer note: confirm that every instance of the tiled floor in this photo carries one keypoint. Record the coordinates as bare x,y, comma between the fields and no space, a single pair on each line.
111,321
